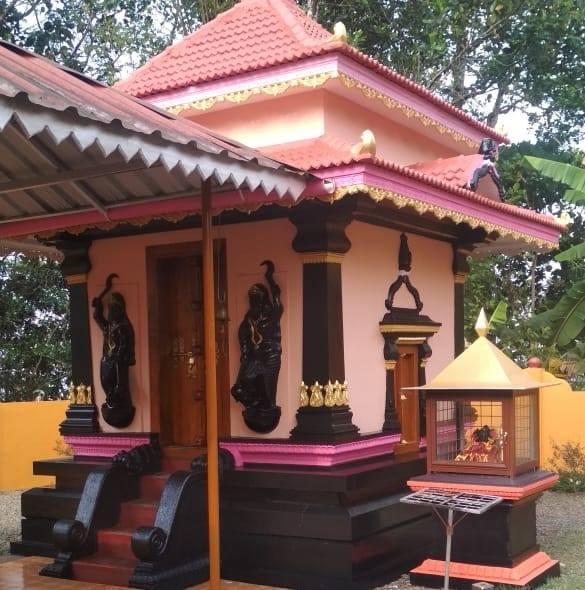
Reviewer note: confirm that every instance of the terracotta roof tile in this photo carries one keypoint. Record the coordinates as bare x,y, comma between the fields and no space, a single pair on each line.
458,170
253,35
329,152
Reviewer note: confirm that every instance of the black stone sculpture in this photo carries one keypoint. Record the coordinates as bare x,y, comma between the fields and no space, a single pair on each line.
117,357
404,266
260,352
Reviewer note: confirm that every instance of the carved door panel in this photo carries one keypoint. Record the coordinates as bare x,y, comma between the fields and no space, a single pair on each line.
182,379
182,403
407,405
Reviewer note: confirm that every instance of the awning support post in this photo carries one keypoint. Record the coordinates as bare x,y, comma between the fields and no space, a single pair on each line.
210,389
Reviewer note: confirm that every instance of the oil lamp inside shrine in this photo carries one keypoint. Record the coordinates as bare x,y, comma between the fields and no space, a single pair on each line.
482,414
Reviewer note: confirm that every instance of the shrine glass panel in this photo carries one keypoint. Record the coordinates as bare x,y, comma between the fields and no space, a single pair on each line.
469,432
526,427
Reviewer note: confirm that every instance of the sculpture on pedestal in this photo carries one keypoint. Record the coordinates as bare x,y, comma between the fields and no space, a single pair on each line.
260,351
117,356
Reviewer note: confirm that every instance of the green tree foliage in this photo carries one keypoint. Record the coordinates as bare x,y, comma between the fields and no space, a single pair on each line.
34,329
489,57
531,284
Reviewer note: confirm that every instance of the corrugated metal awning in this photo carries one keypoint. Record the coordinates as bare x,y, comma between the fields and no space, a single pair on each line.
74,151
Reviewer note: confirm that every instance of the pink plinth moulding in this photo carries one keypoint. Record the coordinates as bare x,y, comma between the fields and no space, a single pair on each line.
311,455
103,446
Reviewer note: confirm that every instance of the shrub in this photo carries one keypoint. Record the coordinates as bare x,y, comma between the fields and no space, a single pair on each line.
568,460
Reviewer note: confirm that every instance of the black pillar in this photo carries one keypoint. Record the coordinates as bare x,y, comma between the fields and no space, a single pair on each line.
321,242
82,414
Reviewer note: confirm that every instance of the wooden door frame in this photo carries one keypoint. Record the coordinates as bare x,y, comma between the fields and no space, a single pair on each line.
154,254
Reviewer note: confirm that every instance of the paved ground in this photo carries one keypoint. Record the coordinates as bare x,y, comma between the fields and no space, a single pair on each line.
561,530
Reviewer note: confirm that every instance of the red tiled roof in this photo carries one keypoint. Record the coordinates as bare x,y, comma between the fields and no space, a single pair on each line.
253,35
328,152
457,170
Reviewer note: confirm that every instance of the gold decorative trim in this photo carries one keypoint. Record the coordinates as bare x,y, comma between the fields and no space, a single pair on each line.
322,257
380,194
411,340
409,112
316,81
77,279
423,363
408,328
390,365
375,193
275,89
460,278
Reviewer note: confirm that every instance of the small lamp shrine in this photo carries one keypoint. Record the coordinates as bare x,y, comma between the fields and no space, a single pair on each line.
482,435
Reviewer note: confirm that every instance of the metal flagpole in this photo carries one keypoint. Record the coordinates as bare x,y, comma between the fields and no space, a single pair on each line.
210,389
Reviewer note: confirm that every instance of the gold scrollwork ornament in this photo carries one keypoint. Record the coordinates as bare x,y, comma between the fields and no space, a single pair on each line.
345,394
316,400
303,395
329,394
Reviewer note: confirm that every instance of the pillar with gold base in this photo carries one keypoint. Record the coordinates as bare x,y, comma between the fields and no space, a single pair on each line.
81,416
322,243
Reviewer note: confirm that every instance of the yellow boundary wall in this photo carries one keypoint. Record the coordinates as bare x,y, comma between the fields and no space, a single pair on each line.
28,431
562,414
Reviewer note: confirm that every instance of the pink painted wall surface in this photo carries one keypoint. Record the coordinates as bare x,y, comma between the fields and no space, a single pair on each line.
279,120
311,114
127,258
368,269
347,120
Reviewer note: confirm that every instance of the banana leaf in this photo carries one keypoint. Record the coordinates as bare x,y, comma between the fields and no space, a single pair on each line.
500,315
576,252
567,318
572,176
574,196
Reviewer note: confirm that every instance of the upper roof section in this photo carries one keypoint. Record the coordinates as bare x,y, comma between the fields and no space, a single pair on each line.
257,35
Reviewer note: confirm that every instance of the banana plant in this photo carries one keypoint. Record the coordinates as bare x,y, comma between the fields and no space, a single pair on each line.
567,318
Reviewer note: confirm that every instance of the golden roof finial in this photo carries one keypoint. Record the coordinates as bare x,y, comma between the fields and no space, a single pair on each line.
367,145
482,325
339,32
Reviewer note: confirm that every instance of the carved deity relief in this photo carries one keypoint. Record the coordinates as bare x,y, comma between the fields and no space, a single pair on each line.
260,355
117,356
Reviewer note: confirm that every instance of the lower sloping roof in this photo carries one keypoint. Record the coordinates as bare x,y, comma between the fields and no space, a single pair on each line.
71,147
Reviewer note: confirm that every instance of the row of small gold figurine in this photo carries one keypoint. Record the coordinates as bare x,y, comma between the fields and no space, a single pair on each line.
79,394
332,394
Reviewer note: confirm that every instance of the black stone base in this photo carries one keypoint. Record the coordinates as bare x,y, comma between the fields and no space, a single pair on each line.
180,576
339,528
42,507
262,420
324,425
81,419
118,416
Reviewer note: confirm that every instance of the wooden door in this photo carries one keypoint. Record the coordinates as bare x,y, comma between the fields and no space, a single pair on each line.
407,405
179,347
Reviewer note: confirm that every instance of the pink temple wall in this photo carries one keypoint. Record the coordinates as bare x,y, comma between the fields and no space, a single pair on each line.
127,258
368,270
279,120
312,114
347,120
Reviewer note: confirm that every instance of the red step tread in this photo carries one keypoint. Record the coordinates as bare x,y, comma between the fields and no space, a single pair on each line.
137,513
103,570
151,486
115,542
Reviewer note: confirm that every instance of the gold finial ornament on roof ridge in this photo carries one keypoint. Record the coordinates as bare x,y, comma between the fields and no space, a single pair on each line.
482,325
339,32
366,145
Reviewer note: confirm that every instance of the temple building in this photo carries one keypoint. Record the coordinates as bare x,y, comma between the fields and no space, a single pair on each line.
346,200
